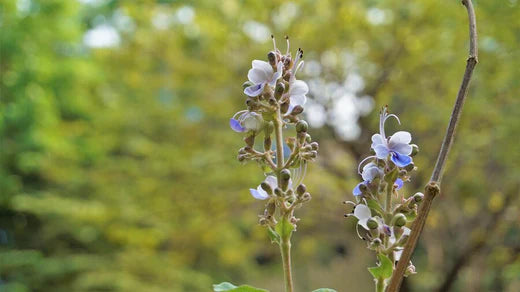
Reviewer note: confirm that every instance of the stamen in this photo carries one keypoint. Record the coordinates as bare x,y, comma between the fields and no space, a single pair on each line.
274,42
239,113
362,161
288,47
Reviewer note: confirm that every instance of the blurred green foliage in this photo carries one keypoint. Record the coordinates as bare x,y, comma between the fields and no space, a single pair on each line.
118,170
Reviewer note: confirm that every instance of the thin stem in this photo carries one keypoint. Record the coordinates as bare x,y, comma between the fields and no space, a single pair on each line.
380,285
432,188
285,249
285,243
388,203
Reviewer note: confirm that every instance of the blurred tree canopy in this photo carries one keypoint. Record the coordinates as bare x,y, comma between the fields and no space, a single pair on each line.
118,171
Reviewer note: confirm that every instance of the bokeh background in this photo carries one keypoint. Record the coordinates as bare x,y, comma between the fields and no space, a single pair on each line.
118,169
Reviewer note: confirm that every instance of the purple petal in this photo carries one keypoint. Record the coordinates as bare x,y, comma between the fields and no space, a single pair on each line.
400,160
258,195
398,183
357,191
254,90
235,125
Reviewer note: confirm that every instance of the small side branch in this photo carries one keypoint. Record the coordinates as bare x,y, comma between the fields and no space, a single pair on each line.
433,187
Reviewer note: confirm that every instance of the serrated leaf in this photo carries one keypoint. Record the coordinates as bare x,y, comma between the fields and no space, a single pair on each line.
226,286
284,228
384,269
324,290
275,237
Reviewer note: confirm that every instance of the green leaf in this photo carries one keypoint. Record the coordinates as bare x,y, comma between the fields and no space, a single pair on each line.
275,237
385,268
324,290
284,228
226,286
374,205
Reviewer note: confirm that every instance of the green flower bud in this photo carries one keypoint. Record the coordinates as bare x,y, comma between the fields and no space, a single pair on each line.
284,107
375,243
270,209
263,221
418,197
302,126
399,220
266,187
308,138
271,56
409,167
278,192
280,88
267,144
415,150
372,223
285,175
301,189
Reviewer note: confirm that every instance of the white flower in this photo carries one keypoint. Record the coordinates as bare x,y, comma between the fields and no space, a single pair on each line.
362,212
261,74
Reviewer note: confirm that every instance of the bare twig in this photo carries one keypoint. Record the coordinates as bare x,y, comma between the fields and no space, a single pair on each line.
433,187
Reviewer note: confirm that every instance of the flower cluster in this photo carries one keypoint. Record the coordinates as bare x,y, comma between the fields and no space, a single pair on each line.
275,99
382,211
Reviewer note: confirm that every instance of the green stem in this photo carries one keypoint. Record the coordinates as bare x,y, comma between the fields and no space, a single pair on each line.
380,285
388,204
278,123
285,248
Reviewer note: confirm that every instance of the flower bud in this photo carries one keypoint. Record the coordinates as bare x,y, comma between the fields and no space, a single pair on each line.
278,192
242,151
418,197
308,138
314,154
315,146
399,220
363,188
306,197
301,189
402,173
241,157
297,110
280,88
247,84
284,107
372,223
307,148
271,56
375,243
285,176
302,126
410,270
270,209
409,167
266,187
415,150
272,101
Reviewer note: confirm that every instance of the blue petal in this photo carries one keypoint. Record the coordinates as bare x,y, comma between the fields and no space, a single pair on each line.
235,125
254,90
400,160
258,195
398,183
381,151
357,191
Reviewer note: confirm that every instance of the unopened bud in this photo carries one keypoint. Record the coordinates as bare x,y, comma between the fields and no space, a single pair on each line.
266,187
302,126
418,197
284,107
280,88
271,208
241,157
301,189
375,243
415,150
409,167
399,220
242,151
247,84
410,270
306,197
314,154
271,56
372,223
278,192
315,146
272,100
308,138
363,188
297,110
263,221
285,176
